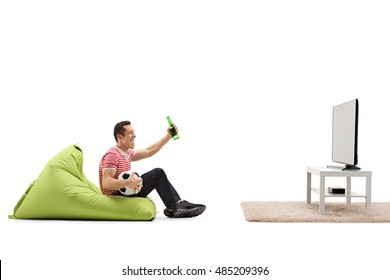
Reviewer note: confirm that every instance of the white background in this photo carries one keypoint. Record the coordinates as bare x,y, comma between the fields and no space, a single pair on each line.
250,84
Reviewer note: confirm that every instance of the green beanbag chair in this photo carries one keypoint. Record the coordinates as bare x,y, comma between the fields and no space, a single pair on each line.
61,191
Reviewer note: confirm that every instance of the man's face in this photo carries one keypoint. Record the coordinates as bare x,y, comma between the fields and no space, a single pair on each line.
128,138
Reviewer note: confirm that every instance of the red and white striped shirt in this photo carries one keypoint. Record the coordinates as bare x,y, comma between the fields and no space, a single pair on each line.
116,159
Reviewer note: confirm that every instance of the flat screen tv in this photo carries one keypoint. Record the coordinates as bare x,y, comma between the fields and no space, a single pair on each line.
345,134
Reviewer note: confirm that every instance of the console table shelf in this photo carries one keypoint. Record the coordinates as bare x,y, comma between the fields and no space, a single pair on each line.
328,194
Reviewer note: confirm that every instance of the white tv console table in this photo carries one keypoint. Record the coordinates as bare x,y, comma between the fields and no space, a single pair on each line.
323,172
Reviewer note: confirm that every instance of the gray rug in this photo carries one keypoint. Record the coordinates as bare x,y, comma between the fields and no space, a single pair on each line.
301,212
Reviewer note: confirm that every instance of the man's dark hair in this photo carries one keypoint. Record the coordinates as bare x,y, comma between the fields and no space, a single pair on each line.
119,129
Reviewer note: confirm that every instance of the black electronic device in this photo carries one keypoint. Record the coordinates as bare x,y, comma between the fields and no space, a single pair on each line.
336,190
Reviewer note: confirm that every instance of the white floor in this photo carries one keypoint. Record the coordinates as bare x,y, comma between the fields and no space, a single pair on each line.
220,237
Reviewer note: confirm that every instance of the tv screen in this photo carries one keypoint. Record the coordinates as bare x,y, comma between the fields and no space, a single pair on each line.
345,134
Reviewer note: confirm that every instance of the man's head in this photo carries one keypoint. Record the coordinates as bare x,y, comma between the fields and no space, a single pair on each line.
124,134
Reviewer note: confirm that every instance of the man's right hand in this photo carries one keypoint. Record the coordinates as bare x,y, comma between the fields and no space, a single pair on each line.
134,181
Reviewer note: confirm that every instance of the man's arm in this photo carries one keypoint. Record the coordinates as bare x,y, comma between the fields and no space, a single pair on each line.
152,149
110,183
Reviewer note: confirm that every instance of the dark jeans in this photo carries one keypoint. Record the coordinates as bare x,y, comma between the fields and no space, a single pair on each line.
158,180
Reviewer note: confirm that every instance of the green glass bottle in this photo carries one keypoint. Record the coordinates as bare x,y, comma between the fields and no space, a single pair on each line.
174,133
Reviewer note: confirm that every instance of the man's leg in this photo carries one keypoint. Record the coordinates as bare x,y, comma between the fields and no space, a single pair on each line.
177,208
157,179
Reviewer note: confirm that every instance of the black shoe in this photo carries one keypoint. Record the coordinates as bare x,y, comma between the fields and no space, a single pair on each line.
185,209
189,205
168,213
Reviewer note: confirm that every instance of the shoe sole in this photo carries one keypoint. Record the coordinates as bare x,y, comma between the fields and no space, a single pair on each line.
189,213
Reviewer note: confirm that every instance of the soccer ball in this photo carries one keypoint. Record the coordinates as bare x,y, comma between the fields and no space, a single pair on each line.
126,191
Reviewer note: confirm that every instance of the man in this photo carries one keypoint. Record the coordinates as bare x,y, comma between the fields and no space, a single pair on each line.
118,159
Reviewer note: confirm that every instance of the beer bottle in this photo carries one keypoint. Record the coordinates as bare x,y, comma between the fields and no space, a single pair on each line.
174,133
